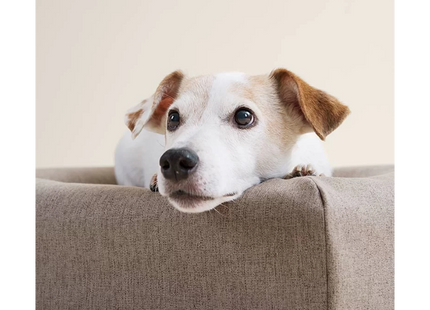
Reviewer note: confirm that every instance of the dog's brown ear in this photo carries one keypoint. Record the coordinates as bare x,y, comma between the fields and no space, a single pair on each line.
319,111
137,116
151,113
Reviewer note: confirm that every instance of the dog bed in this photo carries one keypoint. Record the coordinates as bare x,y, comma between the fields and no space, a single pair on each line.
304,243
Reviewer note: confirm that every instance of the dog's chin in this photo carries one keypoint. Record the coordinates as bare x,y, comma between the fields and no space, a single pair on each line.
188,203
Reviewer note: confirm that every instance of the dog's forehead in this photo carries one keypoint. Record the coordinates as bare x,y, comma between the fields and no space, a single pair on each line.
220,90
226,84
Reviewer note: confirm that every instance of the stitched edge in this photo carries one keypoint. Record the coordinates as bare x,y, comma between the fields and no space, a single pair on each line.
323,202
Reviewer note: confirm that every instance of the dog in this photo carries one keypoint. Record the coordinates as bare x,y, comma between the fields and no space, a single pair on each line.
203,141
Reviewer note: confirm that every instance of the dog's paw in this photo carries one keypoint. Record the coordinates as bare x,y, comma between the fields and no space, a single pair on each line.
153,186
302,171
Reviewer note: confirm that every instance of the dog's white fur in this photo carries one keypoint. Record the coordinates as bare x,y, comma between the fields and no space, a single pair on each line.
231,159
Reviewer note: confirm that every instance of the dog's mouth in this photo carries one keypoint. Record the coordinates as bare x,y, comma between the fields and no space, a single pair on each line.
187,197
192,203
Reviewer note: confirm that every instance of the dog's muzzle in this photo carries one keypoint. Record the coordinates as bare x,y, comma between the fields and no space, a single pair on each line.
178,164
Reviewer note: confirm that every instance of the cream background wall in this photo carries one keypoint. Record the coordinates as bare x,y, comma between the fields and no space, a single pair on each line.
95,59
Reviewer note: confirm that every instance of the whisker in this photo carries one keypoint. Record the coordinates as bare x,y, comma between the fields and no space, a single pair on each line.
218,211
225,208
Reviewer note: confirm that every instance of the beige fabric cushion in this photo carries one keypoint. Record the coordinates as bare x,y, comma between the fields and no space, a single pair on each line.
305,243
97,175
359,215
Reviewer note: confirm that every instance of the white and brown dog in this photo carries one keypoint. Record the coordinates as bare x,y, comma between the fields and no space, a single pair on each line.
205,140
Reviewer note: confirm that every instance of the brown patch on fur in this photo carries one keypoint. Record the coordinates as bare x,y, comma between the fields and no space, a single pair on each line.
169,86
252,89
161,110
282,127
323,112
199,87
132,118
164,96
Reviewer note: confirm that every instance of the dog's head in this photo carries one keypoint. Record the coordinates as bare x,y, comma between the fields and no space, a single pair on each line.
227,132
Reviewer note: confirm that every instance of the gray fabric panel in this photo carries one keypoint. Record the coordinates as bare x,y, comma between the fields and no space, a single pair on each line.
114,247
360,241
97,175
362,171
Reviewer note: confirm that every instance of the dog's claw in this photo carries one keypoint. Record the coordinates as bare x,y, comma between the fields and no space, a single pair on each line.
301,171
153,186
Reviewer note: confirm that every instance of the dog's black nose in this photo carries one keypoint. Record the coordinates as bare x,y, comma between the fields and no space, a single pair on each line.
178,164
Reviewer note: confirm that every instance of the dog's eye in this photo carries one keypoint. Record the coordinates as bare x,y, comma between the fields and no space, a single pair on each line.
244,118
173,120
